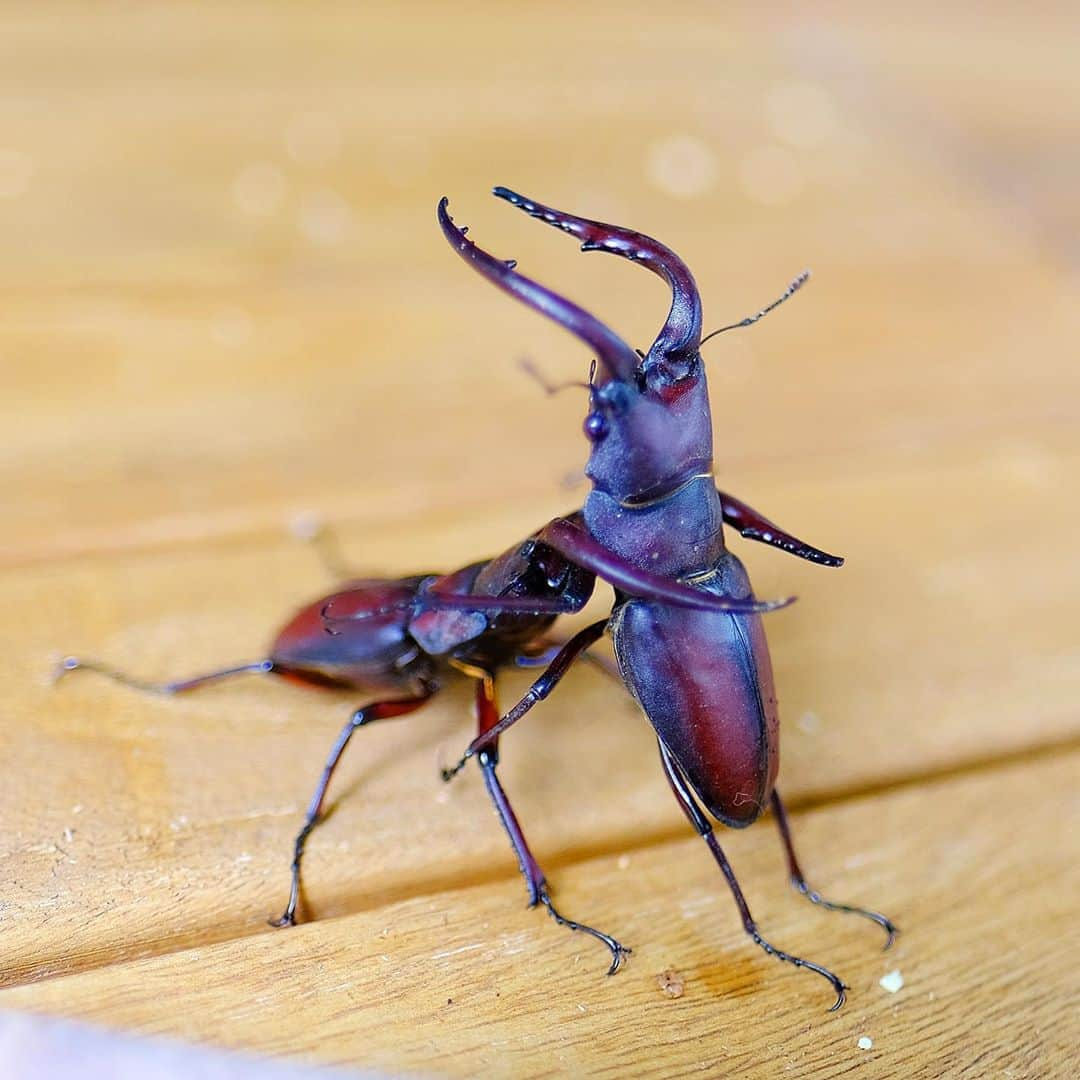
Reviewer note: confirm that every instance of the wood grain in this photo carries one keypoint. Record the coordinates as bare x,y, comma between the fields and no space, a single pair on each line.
226,303
491,989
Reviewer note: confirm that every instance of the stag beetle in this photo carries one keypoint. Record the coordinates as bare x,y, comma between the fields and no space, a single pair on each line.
703,678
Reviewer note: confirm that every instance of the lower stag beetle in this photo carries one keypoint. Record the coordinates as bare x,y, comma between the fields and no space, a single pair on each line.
702,677
399,640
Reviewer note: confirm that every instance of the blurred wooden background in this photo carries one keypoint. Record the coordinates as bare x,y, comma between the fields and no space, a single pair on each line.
226,303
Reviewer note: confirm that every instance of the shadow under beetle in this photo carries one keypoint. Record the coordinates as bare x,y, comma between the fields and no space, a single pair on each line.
685,625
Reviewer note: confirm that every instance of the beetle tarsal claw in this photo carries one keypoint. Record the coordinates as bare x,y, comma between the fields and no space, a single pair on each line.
449,774
618,951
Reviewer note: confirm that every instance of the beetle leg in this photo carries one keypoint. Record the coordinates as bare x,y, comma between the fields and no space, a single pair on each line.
800,883
578,546
539,690
73,663
487,715
551,648
754,526
380,710
705,830
325,544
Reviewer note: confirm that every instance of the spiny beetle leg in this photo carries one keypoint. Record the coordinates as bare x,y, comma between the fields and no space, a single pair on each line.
581,548
487,715
368,714
755,526
537,692
800,883
179,686
326,545
704,829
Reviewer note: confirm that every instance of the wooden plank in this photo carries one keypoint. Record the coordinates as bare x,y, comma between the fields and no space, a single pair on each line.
459,983
226,301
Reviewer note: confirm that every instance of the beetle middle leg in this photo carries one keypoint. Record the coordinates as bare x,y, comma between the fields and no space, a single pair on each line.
705,830
800,883
325,544
380,710
487,716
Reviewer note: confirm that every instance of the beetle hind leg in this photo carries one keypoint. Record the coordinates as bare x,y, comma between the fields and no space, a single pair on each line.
618,952
535,881
801,884
380,710
704,828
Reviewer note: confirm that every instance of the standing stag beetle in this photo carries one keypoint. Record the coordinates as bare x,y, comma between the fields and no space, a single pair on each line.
703,678
685,625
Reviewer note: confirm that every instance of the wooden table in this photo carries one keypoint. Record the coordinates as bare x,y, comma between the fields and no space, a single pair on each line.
226,303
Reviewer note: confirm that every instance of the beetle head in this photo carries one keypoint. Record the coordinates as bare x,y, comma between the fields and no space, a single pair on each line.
648,421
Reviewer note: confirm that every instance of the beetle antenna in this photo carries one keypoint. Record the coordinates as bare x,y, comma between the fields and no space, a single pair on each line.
790,291
530,369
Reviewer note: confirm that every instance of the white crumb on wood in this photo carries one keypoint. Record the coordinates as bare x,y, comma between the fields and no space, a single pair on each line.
892,982
865,1042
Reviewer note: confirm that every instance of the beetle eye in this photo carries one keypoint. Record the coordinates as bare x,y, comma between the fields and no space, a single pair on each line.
596,426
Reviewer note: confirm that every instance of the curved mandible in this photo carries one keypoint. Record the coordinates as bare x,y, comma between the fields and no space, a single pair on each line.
680,335
617,357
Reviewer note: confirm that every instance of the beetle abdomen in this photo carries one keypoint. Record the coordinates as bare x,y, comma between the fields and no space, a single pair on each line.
705,682
370,648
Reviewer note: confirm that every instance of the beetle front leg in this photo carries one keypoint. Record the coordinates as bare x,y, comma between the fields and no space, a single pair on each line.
487,717
705,830
587,552
752,525
800,883
539,690
361,717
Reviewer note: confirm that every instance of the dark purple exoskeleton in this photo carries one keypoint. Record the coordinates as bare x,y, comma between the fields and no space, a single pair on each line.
397,641
703,678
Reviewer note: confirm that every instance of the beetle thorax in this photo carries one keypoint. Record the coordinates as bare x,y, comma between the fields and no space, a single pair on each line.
653,500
